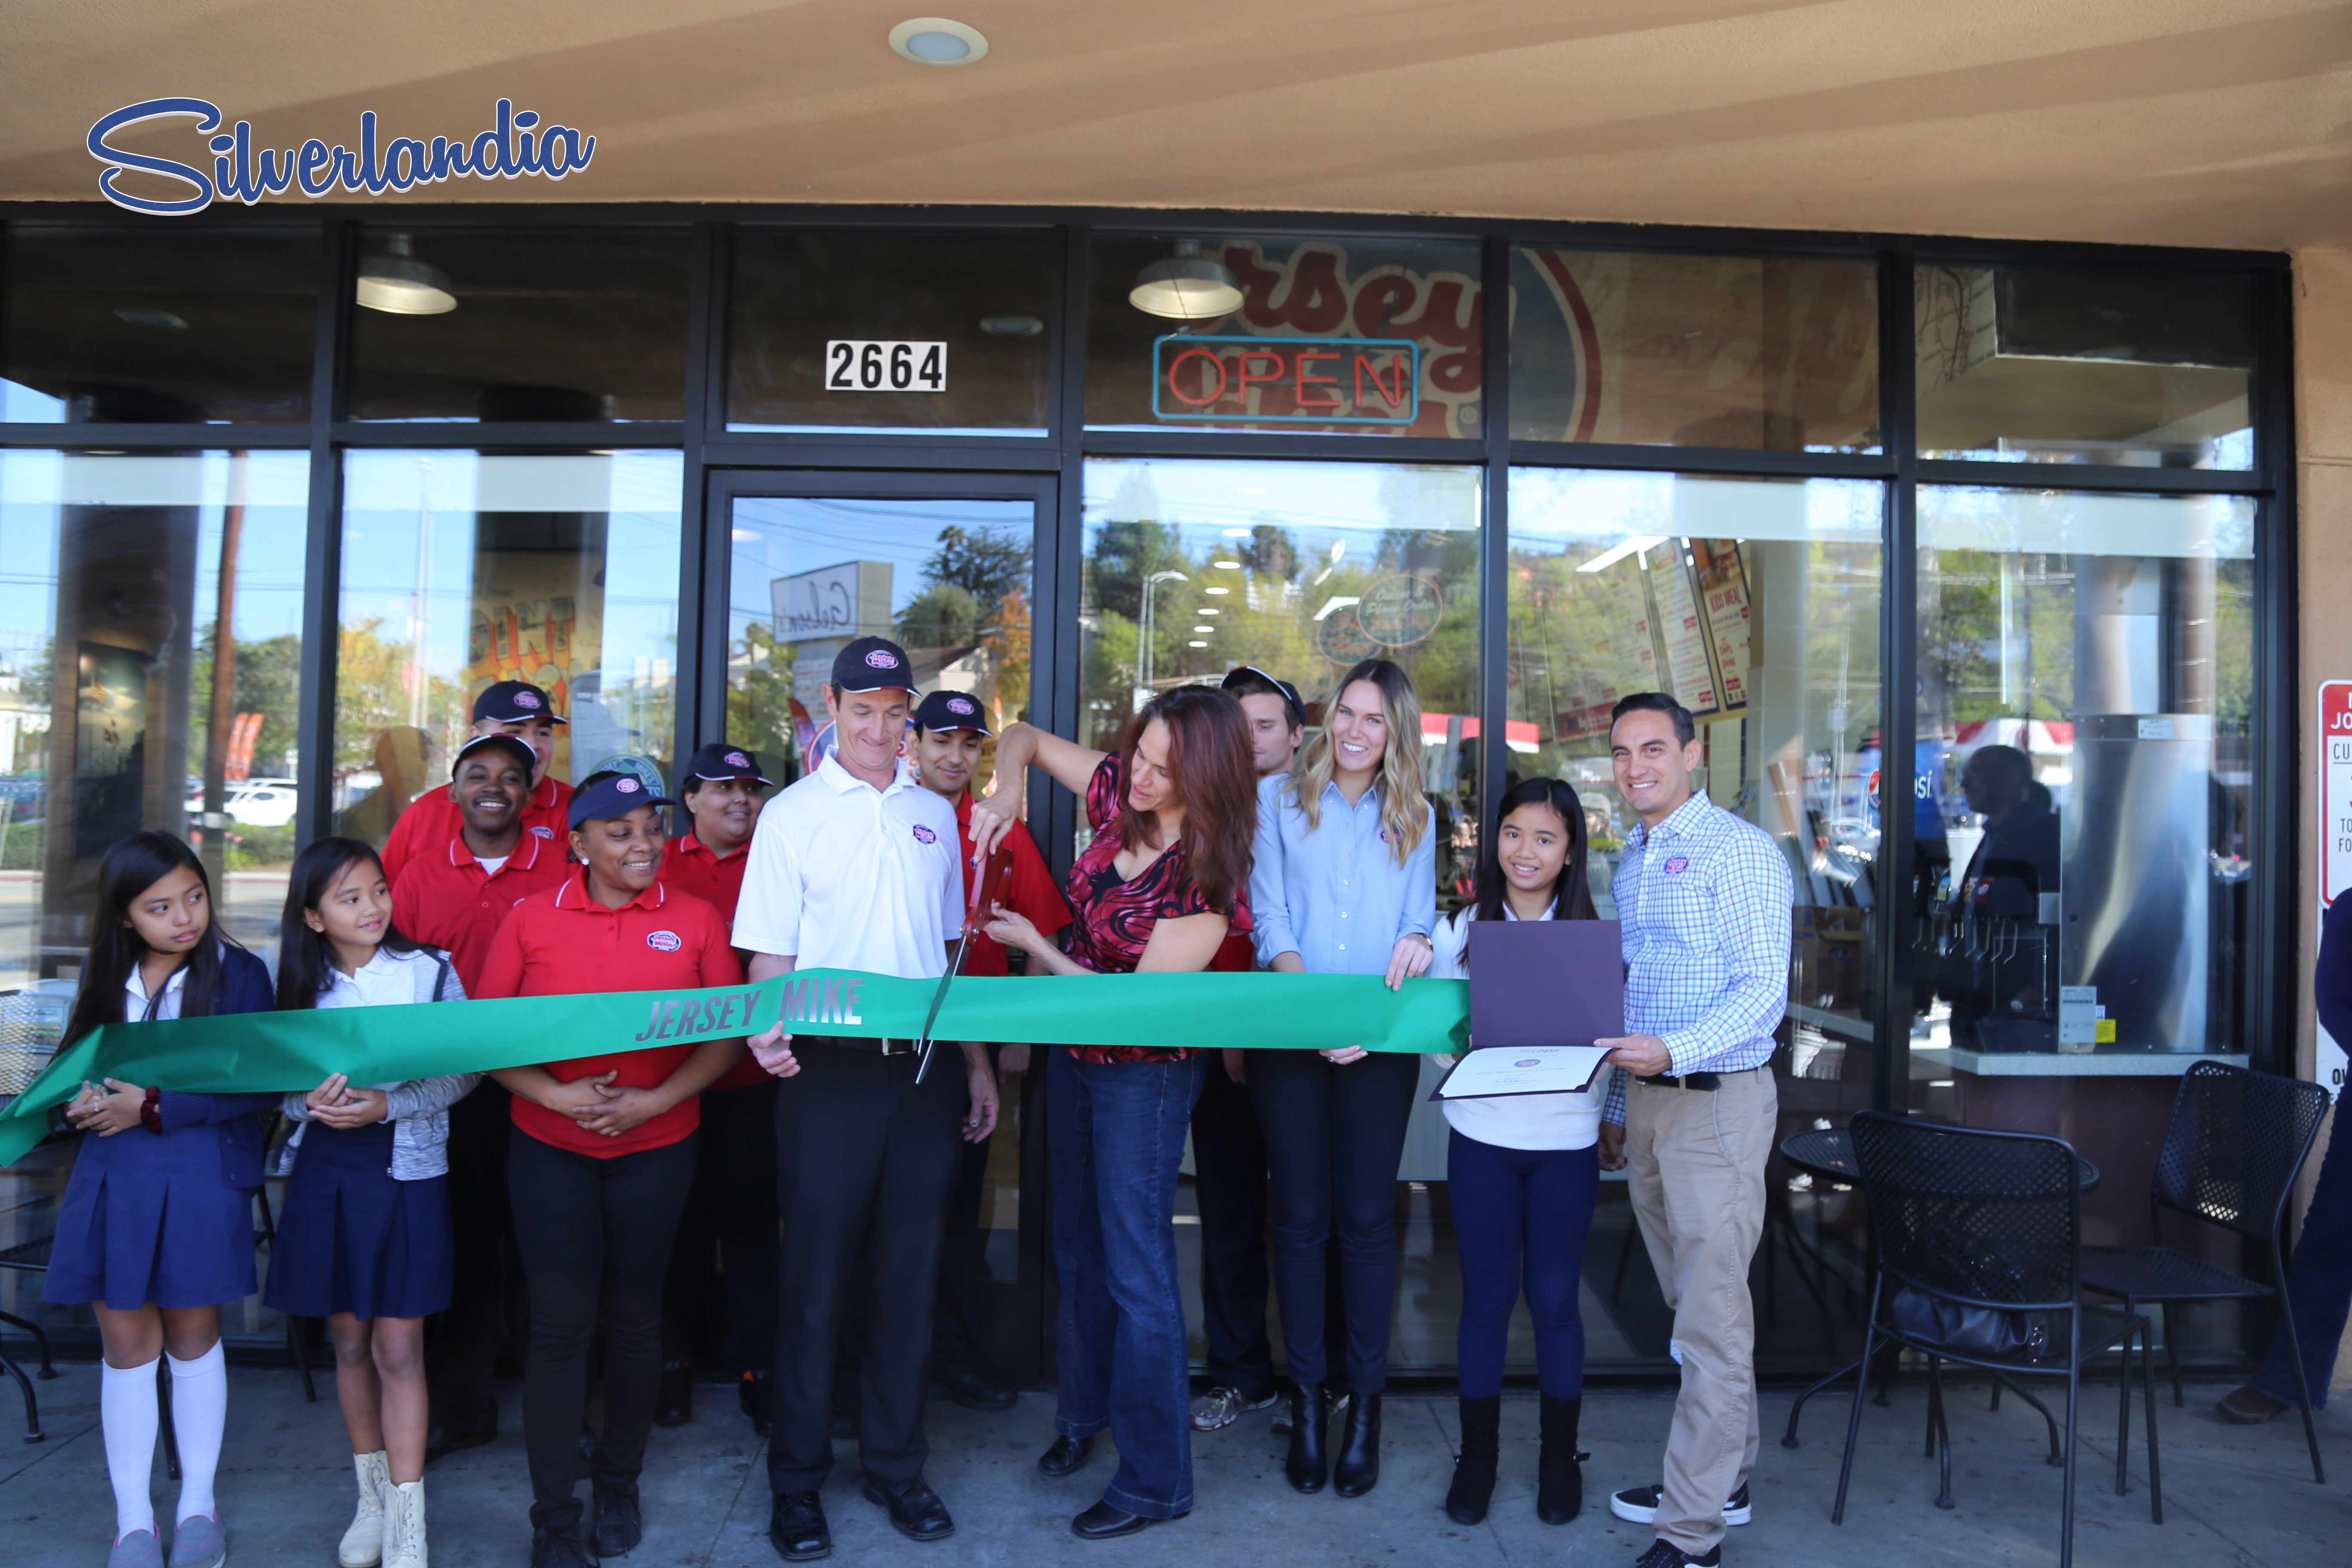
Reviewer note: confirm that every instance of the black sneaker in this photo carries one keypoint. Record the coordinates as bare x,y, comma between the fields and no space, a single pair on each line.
1666,1554
558,1547
1639,1504
619,1525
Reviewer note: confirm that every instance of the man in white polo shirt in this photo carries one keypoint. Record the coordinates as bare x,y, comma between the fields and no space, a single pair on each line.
856,867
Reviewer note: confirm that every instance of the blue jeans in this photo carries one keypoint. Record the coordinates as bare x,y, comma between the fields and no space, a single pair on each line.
2319,1279
1521,1216
1115,1133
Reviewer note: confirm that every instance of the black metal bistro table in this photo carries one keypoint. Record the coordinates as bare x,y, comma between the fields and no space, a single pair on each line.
1827,1152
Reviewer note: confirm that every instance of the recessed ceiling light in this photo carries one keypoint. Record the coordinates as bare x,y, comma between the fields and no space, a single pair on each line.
1228,565
143,318
1011,324
1216,590
1196,643
1205,610
1204,628
936,41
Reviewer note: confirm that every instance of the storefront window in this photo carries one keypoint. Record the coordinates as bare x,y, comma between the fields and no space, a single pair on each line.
160,324
1648,347
1354,336
2138,369
849,333
520,324
459,570
1757,604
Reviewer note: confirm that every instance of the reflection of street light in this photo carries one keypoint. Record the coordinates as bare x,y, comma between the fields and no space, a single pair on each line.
1143,646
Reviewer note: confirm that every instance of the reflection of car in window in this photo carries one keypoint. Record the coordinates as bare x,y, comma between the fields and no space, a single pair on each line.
268,805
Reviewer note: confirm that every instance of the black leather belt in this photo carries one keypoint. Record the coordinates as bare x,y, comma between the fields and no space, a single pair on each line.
880,1047
1687,1080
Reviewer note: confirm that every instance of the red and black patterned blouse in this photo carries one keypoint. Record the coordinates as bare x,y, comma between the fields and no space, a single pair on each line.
1115,918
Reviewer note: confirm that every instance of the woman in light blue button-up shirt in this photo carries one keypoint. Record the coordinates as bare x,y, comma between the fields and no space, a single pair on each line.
1344,883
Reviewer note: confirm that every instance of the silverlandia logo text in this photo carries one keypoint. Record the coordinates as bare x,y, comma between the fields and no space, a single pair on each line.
517,144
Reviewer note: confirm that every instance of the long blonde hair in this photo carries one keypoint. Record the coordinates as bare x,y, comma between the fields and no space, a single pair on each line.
1404,814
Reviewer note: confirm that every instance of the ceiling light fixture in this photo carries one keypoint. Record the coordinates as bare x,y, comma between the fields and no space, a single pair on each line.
1012,325
1196,644
1216,590
398,284
1228,565
1188,286
936,41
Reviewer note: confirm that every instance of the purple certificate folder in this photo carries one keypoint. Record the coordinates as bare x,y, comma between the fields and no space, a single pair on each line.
1546,982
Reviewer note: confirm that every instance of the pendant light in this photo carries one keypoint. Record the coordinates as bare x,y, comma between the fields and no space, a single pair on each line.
1188,286
399,284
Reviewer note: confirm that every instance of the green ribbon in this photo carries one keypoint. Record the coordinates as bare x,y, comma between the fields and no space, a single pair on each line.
249,1053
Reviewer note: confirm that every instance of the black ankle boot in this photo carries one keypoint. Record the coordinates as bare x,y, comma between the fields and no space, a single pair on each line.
1474,1472
1308,1467
1560,1468
1358,1469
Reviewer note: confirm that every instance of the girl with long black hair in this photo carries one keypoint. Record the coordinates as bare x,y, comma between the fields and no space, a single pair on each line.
1521,1176
156,1228
364,1239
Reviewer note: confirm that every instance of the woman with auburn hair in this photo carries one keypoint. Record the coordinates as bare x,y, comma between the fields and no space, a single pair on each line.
1165,878
1344,881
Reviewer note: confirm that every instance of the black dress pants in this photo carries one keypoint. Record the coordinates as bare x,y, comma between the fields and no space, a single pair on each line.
720,1305
957,1333
464,1353
1333,1138
1229,1185
594,1234
866,1160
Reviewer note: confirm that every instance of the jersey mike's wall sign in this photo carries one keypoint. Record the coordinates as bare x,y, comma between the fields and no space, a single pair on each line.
515,146
1322,381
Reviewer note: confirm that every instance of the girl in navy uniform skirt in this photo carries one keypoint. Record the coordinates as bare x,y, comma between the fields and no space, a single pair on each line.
365,1240
156,1229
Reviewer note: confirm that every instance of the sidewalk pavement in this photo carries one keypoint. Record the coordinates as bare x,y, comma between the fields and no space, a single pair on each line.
2232,1495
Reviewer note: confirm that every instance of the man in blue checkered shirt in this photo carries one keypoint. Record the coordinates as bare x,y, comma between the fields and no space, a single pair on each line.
1704,897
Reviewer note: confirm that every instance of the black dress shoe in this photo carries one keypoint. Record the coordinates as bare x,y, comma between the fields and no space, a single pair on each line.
619,1525
440,1442
1066,1456
1358,1469
1104,1521
974,1391
755,1395
796,1527
674,1401
1307,1465
558,1547
914,1508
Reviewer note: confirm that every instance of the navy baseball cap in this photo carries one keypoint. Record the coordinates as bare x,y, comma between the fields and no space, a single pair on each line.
600,796
647,770
512,702
721,761
513,746
1240,672
874,664
951,710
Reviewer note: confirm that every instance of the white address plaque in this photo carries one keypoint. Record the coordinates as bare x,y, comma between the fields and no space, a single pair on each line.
881,364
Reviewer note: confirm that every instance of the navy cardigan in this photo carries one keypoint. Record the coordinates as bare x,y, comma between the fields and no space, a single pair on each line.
245,988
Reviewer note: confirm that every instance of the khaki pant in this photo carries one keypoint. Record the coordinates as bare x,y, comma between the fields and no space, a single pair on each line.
1695,1172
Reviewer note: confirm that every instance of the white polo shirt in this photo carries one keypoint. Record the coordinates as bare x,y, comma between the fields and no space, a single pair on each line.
841,875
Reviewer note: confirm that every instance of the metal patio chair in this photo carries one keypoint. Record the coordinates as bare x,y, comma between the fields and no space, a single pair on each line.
1978,1237
2231,1153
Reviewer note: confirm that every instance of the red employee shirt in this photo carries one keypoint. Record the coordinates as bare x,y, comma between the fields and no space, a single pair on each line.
432,818
1028,889
562,943
690,866
448,901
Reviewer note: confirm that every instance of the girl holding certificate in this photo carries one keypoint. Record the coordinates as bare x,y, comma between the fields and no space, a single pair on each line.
1343,882
1522,1173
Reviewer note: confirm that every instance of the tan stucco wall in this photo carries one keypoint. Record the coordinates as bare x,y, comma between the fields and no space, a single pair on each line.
2323,354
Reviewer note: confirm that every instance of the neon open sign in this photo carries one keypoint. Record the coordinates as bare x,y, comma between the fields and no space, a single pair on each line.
1297,381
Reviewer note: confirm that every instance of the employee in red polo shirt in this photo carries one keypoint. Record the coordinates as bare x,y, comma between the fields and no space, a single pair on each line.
514,708
949,729
722,1293
602,1154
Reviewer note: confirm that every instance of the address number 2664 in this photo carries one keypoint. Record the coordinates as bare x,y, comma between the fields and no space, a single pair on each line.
863,365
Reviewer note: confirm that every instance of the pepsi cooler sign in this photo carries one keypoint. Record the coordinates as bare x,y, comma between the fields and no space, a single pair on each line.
515,146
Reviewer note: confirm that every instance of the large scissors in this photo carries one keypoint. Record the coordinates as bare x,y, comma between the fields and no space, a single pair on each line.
987,874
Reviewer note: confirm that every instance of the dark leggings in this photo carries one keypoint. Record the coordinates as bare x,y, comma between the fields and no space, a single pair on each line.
1510,1206
592,1231
1333,1137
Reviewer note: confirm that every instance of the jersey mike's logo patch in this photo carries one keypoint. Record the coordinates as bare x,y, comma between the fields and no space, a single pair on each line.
542,831
525,700
961,705
924,835
881,661
1676,865
738,760
663,940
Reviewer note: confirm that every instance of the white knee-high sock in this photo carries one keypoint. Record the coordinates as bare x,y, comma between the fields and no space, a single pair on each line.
127,1418
199,1413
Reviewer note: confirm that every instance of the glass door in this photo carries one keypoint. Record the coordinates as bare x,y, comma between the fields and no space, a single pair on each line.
799,564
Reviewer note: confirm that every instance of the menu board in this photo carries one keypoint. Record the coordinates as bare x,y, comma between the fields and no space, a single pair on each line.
1723,596
1683,633
1616,653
